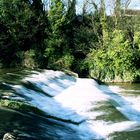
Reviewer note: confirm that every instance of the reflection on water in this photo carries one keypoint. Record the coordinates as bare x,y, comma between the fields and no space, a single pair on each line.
131,93
128,88
73,108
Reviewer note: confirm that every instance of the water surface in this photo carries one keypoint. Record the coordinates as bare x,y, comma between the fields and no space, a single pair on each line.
73,108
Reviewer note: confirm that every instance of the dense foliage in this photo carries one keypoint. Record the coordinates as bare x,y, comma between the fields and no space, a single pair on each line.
34,34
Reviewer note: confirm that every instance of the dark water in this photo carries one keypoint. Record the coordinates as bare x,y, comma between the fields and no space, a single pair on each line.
73,109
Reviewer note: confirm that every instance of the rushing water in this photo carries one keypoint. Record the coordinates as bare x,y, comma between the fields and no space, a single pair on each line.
73,108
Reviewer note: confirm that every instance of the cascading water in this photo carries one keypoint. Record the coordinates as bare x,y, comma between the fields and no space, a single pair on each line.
73,108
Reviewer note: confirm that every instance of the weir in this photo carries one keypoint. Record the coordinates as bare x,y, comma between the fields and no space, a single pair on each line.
74,103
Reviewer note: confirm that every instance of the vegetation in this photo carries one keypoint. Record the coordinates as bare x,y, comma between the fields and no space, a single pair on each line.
53,35
20,106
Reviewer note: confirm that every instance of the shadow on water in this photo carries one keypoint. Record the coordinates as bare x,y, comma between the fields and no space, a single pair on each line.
33,127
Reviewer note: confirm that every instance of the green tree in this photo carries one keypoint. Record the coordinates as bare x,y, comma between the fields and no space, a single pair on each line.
56,17
23,24
16,33
41,27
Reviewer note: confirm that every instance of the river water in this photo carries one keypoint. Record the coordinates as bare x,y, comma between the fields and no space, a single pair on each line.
73,108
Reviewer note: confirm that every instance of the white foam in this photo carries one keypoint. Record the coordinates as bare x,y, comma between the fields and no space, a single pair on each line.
50,106
74,98
80,96
50,82
104,130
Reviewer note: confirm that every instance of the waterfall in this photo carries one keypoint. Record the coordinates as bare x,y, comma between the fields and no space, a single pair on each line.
78,102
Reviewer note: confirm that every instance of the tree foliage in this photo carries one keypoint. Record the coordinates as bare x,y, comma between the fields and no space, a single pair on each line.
56,36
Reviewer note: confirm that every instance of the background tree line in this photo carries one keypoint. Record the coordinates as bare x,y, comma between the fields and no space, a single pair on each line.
51,34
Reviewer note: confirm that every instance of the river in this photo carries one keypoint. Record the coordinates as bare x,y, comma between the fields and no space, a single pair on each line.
71,108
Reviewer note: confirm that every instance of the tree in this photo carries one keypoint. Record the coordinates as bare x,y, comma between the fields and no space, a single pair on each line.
56,17
16,33
23,24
